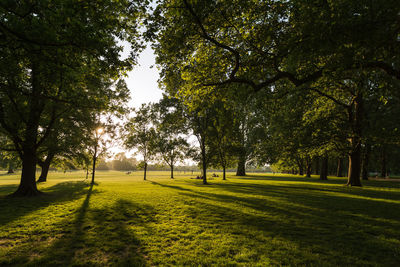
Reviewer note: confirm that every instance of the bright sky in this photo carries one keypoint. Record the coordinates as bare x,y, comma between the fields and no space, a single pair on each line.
142,81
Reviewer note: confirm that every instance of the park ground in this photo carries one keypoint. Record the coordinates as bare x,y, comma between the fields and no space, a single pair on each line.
257,220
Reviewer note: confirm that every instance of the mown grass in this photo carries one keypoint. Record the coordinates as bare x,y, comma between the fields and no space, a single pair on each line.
258,220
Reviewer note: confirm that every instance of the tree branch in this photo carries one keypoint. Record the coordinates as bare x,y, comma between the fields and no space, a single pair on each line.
330,97
386,67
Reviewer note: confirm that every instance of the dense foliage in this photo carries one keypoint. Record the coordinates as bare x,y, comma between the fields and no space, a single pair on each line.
59,70
326,69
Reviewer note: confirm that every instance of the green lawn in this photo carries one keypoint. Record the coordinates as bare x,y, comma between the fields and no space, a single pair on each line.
258,220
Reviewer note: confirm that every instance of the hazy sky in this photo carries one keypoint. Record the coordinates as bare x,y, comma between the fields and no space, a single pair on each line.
142,81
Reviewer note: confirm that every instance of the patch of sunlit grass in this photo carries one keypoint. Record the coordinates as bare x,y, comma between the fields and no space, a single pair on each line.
257,220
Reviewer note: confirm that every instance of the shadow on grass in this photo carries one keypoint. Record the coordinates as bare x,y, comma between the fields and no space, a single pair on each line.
13,208
331,222
93,237
293,178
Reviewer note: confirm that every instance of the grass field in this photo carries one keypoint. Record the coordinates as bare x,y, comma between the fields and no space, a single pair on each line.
257,220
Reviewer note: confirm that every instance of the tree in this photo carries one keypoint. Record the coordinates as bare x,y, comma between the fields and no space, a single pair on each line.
199,117
141,134
262,43
222,136
122,163
9,161
58,56
171,128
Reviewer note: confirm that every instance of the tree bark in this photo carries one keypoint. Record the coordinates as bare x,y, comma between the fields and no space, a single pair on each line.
324,169
300,165
145,171
172,171
241,168
308,167
316,165
94,163
27,186
355,120
365,161
383,162
354,168
45,165
339,172
224,172
204,161
28,154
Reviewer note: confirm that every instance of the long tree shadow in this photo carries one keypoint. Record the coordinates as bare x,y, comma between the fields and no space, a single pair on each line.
101,236
315,226
331,180
333,222
13,208
314,180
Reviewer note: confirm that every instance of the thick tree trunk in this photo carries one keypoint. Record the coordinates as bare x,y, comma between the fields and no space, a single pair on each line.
355,120
223,173
27,186
383,162
300,165
316,165
365,161
339,172
354,168
308,167
45,165
43,173
145,171
241,168
324,169
172,171
204,172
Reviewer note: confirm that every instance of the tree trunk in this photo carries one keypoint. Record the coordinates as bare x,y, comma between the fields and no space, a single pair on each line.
223,173
10,169
94,163
365,162
308,167
354,168
45,165
316,165
241,168
27,186
28,154
300,165
383,162
43,174
145,171
355,120
339,172
324,169
204,172
172,171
